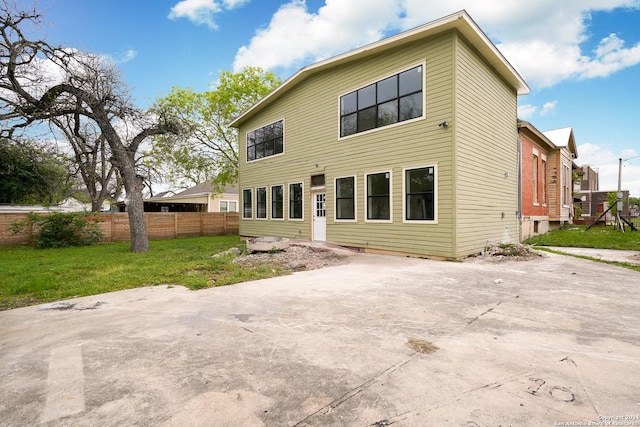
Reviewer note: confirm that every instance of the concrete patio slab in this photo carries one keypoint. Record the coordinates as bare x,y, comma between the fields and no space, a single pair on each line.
543,342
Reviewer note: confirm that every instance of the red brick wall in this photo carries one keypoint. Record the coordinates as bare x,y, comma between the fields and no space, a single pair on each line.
528,207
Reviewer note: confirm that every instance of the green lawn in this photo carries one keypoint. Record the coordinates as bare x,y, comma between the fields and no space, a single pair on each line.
596,237
31,276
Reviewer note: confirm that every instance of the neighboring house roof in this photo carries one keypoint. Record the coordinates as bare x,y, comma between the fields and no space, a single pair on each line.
563,138
196,194
207,187
529,128
460,21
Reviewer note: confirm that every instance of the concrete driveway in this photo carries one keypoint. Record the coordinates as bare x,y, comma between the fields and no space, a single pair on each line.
543,342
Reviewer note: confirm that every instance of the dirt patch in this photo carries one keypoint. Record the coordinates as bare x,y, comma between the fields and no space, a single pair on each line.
421,346
294,258
498,252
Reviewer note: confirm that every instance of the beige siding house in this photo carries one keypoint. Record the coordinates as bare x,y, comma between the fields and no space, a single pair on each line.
561,176
199,198
408,146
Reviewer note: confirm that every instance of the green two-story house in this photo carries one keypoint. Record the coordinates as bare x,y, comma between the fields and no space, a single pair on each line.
408,145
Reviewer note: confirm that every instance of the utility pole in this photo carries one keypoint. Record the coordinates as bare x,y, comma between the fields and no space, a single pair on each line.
619,197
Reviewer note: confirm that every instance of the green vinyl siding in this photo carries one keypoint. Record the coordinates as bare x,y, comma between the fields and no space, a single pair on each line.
310,111
486,155
312,146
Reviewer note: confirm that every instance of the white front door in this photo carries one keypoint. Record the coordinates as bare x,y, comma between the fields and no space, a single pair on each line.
320,217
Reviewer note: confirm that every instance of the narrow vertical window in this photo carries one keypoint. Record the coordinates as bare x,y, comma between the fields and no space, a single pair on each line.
544,181
224,206
378,197
420,194
277,202
535,179
345,198
295,201
247,208
261,202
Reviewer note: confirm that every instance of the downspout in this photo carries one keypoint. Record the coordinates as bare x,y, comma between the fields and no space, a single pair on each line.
519,212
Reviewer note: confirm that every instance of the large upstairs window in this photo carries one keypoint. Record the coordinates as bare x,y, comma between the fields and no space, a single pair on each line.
388,101
265,141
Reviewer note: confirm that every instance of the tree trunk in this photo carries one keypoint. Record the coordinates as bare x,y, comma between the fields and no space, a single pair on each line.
135,207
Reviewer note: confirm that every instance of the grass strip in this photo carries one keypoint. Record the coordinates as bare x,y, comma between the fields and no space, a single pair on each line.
32,276
630,266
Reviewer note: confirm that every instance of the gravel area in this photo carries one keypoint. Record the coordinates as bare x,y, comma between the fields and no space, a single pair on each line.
295,258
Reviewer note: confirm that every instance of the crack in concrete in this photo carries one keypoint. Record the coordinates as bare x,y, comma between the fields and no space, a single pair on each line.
475,319
351,394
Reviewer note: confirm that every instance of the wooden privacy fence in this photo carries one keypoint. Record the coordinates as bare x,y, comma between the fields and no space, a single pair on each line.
161,225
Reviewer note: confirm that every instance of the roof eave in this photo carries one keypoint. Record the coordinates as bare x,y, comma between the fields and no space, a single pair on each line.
460,21
531,128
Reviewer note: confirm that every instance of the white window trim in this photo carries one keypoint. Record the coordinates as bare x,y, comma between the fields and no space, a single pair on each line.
252,204
246,141
566,180
415,119
382,221
283,202
536,155
435,195
545,179
288,199
355,199
266,196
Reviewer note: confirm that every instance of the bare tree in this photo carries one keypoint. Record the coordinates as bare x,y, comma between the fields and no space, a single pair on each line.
91,159
86,86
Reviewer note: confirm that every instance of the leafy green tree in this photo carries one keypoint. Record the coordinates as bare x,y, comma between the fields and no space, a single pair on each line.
82,85
207,148
32,175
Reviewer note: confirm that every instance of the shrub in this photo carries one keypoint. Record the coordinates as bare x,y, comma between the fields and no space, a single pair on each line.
60,229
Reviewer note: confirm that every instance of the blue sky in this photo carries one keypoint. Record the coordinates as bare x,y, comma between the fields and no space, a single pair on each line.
581,58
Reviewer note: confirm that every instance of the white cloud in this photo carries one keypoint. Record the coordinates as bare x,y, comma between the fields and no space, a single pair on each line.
548,107
526,111
611,56
296,36
542,39
123,57
202,12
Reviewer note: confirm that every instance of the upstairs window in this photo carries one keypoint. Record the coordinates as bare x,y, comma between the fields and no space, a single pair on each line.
388,101
265,141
